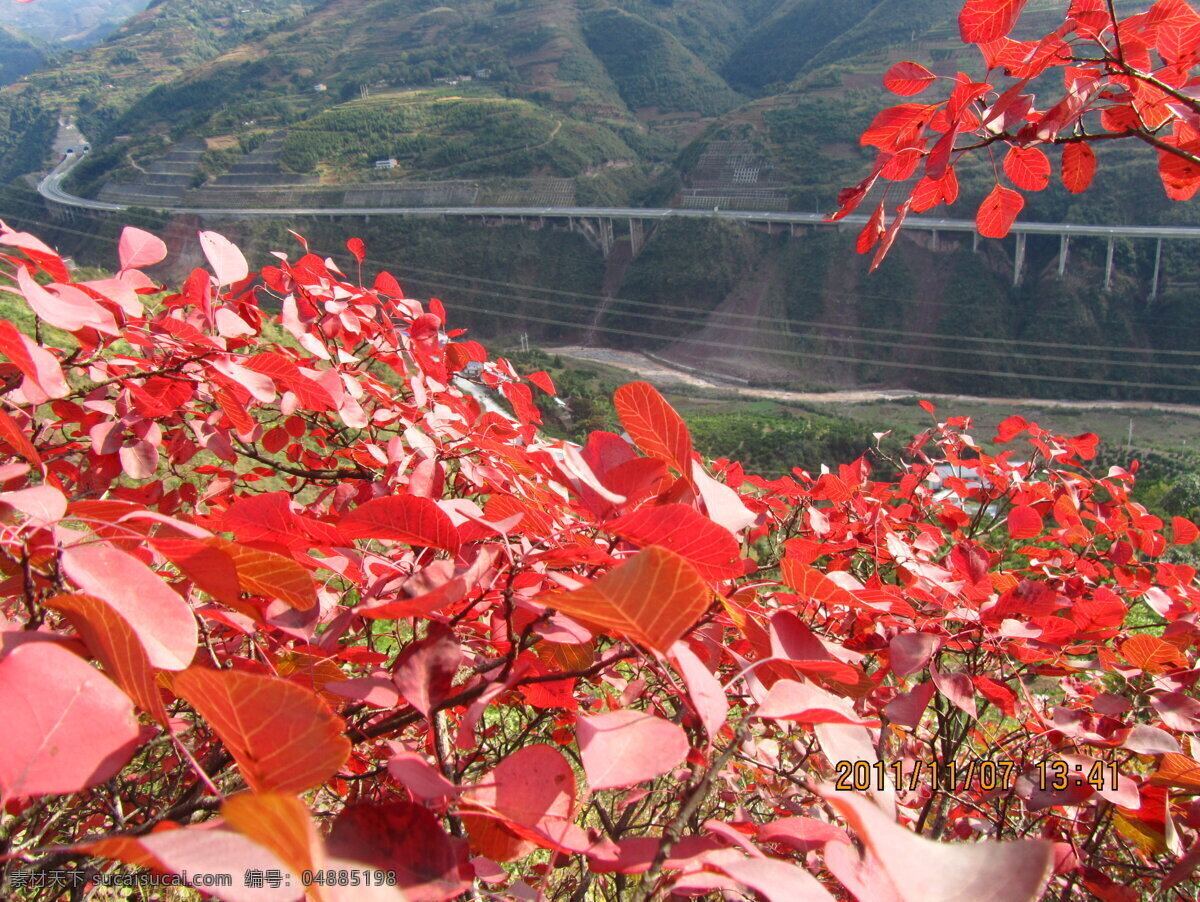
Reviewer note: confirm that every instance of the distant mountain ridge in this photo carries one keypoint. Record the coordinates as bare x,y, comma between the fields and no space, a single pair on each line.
72,23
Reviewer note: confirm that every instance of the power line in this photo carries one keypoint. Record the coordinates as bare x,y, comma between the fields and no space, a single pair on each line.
782,320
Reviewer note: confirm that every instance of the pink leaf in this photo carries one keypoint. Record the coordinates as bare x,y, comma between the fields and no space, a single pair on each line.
806,703
958,688
138,248
198,850
533,788
424,669
224,258
162,620
947,872
910,652
774,880
624,747
66,727
705,689
41,504
71,311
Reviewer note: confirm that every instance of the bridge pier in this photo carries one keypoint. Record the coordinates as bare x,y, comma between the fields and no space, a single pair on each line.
605,227
933,241
975,242
1108,265
1064,244
1157,264
1018,258
636,236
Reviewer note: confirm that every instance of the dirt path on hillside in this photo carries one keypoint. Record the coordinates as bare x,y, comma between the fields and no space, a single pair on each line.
655,371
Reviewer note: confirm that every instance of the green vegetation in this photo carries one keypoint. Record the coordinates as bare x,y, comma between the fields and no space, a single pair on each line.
19,55
454,136
651,68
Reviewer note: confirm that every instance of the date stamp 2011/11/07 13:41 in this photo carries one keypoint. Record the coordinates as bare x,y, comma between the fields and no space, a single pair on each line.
985,775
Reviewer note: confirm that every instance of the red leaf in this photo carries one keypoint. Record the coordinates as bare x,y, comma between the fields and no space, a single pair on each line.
987,20
40,367
897,127
871,232
653,598
402,838
138,248
357,248
923,869
286,375
654,425
521,399
115,644
402,518
66,727
910,652
163,622
1024,522
224,258
543,381
209,567
908,78
710,548
625,747
283,737
424,670
17,440
279,823
1078,167
998,211
1027,167
1183,532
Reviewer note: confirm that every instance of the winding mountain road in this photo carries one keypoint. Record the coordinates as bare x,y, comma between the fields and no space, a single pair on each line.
51,189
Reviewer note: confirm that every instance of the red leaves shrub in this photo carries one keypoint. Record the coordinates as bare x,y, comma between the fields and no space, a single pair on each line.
1119,77
286,592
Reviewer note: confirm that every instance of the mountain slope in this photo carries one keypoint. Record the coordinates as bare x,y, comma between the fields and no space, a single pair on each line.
19,55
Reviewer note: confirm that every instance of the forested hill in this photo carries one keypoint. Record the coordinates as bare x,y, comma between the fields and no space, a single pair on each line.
620,98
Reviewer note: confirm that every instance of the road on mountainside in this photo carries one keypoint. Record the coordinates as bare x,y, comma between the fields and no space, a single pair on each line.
51,188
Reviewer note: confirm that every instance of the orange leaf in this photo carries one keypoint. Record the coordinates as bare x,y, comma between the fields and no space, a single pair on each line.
1024,522
115,644
814,585
997,212
1151,654
1078,167
653,598
271,575
281,824
283,737
1177,770
654,425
